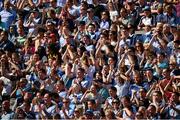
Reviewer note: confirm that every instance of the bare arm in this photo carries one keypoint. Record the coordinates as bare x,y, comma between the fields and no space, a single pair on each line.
150,90
64,57
98,51
31,3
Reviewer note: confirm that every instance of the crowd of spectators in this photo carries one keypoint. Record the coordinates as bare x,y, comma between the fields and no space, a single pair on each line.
89,59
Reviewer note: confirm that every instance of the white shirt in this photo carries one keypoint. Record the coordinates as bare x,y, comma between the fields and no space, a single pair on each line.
104,25
113,14
147,21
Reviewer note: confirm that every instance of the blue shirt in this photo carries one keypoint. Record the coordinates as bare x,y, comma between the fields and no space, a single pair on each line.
7,16
172,20
137,87
122,89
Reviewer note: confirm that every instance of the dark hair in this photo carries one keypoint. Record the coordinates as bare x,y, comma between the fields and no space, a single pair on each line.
176,93
43,70
161,53
92,25
126,98
113,88
6,33
151,105
70,65
60,82
41,51
56,116
81,69
28,103
92,101
158,92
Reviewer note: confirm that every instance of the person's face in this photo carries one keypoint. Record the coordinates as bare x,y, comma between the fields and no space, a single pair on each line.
138,116
68,68
81,28
172,66
52,3
15,58
88,117
82,11
104,16
77,113
112,93
130,6
142,110
20,31
27,96
142,93
6,5
138,47
36,57
137,79
122,13
34,14
159,29
20,113
115,104
141,1
80,74
47,98
91,28
69,4
93,89
98,76
22,83
66,103
5,105
160,58
118,79
151,111
59,86
165,73
38,65
90,105
174,98
110,6
149,73
38,95
125,102
166,28
169,10
90,13
124,33
106,69
26,107
3,36
147,13
68,40
11,29
111,61
85,40
49,27
156,97
108,115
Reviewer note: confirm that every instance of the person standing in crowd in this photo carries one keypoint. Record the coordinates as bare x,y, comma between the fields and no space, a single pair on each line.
89,59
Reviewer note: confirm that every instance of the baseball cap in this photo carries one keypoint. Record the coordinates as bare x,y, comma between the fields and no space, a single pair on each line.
89,112
146,8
